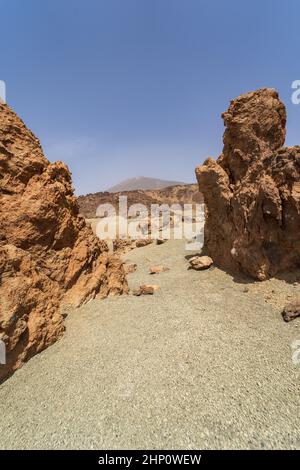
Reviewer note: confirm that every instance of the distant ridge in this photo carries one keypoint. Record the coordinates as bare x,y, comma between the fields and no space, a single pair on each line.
142,182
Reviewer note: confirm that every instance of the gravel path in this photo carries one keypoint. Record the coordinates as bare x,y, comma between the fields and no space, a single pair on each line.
203,363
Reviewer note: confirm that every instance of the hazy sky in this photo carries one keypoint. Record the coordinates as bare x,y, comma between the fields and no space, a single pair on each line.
122,88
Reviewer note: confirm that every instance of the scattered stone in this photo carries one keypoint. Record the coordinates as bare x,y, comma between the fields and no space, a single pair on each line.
48,255
200,262
145,289
291,311
129,268
122,245
160,241
179,194
246,289
252,191
158,269
143,242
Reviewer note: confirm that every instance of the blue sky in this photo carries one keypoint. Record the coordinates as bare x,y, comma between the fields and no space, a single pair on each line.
122,88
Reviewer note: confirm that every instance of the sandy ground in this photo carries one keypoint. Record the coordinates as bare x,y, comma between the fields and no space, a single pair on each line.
203,363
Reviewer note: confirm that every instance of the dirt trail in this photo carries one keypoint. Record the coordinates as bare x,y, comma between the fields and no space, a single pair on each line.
203,363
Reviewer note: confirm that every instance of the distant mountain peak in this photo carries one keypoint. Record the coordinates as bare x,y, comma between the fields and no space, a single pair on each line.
142,182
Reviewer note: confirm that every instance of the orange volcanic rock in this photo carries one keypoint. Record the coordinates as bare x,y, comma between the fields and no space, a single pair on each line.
159,268
252,192
48,256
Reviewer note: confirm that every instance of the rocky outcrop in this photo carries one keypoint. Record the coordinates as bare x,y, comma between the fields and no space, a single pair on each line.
48,256
252,192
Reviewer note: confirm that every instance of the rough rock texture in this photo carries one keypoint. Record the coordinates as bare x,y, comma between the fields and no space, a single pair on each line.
122,245
181,194
252,192
291,311
199,263
48,256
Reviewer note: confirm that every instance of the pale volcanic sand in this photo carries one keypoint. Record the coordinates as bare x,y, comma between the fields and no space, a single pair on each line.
200,364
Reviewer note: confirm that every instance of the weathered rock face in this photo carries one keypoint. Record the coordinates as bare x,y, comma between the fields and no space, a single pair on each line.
252,192
48,256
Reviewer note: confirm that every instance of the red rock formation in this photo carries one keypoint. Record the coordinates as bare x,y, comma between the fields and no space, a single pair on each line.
48,256
252,192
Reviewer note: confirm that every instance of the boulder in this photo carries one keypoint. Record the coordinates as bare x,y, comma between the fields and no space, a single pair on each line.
252,192
122,245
